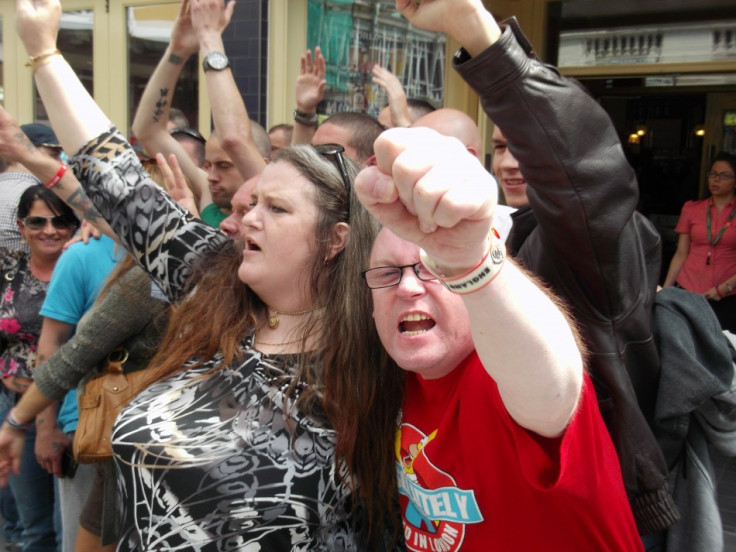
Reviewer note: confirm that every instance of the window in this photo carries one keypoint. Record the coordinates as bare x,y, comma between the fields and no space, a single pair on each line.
149,31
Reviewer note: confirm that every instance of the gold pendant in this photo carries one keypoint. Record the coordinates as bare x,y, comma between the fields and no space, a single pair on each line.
273,322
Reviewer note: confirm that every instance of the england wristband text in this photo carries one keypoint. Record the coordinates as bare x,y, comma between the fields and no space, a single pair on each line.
477,277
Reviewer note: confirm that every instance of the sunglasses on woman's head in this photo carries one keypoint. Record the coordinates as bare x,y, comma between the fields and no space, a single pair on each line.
335,151
39,223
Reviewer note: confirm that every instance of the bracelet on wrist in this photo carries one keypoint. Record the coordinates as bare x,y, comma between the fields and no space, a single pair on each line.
307,119
54,180
34,62
13,423
477,277
729,287
718,292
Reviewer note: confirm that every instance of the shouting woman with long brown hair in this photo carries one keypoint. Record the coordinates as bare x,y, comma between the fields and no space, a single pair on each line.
266,425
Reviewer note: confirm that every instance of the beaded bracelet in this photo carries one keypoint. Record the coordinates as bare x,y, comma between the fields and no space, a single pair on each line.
307,119
54,180
477,277
15,424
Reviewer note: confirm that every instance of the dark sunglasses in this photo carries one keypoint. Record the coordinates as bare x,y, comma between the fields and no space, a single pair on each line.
335,151
39,223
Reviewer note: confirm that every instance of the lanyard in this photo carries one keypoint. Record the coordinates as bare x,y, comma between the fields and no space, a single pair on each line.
711,241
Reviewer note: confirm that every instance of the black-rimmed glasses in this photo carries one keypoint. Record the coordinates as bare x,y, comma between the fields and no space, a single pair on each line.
39,223
335,151
389,276
721,175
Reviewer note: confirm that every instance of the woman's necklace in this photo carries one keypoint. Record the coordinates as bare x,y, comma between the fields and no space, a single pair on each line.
711,241
273,320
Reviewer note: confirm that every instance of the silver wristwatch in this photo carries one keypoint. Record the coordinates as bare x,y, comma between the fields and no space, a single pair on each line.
217,61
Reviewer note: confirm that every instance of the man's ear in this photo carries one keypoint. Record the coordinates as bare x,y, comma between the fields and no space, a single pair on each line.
340,234
371,161
472,150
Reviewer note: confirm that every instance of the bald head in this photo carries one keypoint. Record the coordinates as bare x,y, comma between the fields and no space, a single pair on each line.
455,123
261,138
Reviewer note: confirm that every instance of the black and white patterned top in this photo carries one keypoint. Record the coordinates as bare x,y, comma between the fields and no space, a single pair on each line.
214,462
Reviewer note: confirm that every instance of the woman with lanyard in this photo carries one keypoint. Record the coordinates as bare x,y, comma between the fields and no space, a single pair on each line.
705,260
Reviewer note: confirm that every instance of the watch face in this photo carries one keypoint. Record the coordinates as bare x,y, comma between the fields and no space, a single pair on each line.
216,60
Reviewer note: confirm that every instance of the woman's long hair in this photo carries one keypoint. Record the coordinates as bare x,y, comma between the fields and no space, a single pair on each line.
343,375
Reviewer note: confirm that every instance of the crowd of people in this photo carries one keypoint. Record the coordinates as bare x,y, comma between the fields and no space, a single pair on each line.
347,342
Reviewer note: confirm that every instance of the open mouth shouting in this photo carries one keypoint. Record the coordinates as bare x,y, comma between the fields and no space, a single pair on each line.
415,324
251,245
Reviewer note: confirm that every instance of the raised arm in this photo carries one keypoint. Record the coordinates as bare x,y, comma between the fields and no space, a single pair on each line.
15,146
209,19
398,107
430,191
152,114
310,89
601,249
162,237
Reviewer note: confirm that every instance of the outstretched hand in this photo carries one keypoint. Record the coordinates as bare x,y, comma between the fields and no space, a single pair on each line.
184,41
426,188
310,84
37,23
211,16
177,183
395,93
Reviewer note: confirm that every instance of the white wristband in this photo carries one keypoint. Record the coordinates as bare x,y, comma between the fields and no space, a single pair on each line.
479,276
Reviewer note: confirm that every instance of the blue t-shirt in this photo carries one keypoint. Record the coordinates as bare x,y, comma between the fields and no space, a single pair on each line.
78,277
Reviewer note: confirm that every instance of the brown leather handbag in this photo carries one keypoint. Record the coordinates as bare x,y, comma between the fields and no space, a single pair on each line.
103,398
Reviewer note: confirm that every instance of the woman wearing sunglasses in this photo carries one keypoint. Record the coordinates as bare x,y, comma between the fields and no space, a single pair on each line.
265,426
46,224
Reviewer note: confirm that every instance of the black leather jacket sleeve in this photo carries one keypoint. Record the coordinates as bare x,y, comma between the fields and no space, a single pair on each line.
589,243
582,189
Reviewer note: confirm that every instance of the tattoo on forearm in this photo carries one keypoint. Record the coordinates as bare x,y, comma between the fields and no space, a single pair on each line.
57,445
80,202
23,141
175,60
161,104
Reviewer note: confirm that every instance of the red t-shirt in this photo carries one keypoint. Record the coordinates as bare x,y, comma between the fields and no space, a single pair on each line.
470,478
695,275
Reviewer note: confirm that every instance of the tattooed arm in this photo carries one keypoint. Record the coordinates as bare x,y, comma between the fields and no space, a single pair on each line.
152,115
15,146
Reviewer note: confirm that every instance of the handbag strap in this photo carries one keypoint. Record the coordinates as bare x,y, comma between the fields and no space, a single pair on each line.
115,361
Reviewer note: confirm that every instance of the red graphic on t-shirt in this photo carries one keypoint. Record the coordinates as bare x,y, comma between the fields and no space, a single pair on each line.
418,477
